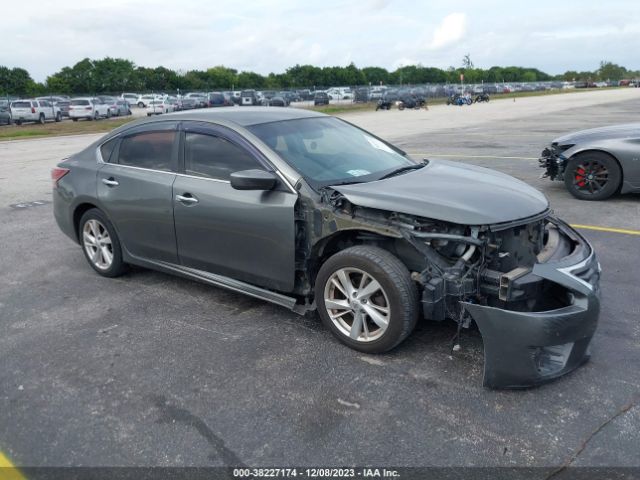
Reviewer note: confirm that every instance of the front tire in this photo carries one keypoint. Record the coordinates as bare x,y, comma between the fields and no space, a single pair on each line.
100,244
592,176
366,298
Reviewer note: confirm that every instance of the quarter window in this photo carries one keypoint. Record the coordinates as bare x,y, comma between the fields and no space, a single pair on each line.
107,149
215,157
151,150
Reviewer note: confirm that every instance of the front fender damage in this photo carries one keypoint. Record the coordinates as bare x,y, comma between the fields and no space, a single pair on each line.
531,286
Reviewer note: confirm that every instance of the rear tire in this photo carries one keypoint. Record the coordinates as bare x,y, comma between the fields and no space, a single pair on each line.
592,176
74,119
58,117
41,119
371,291
100,244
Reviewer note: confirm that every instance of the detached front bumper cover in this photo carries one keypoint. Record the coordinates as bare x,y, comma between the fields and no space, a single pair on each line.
524,349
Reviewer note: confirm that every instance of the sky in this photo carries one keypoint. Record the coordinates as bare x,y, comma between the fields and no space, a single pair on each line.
269,36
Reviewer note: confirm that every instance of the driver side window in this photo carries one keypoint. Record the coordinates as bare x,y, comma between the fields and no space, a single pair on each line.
214,157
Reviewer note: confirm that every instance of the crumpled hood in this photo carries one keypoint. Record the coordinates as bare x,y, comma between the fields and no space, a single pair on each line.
452,192
602,133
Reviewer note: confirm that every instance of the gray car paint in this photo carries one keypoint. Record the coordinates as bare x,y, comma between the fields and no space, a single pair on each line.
452,192
226,221
620,141
141,208
318,219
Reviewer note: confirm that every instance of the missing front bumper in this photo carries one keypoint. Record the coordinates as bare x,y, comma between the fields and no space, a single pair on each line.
524,349
527,348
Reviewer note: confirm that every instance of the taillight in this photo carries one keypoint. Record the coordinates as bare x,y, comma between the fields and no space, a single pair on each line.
33,110
57,173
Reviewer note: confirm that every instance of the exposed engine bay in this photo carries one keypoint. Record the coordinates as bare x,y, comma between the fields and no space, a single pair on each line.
490,274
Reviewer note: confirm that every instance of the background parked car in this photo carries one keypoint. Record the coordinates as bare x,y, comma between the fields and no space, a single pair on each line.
61,102
361,94
88,108
321,98
111,103
249,97
122,108
595,164
5,112
143,100
157,107
34,111
187,103
201,99
277,101
217,99
130,98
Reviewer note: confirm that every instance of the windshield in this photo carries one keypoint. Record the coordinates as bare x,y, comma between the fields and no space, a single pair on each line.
327,151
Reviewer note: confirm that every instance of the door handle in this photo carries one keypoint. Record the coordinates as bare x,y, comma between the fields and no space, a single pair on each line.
187,198
110,182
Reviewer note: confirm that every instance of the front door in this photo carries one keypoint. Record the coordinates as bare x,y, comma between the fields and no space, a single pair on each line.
245,235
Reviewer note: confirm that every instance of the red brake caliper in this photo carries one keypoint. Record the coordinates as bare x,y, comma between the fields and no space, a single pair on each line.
580,177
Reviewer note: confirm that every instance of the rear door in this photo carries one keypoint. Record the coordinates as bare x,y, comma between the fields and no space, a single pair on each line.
246,235
135,188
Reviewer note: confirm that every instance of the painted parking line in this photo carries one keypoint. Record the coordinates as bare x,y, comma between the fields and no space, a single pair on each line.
8,471
624,231
419,154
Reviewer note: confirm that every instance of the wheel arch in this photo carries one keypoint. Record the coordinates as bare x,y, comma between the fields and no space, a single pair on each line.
323,249
78,212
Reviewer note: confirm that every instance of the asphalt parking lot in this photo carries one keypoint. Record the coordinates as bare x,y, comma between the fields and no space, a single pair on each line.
152,370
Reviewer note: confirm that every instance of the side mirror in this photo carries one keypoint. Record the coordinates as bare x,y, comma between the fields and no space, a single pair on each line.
253,180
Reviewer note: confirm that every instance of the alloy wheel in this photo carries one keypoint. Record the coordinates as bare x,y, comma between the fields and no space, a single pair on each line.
590,177
97,244
357,304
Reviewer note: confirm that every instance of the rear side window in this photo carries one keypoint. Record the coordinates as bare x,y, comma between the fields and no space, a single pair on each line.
214,157
106,150
151,150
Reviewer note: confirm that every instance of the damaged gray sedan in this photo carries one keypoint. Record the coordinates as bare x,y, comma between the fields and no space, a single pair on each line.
310,212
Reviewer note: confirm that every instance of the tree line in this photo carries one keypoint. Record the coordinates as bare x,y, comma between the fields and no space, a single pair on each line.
115,75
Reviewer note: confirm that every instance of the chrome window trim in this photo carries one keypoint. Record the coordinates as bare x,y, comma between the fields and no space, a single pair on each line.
276,170
140,168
